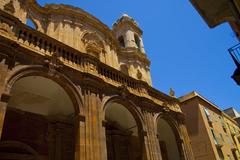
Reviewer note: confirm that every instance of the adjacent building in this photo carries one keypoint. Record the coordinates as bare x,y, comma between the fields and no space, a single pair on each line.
216,12
71,88
233,113
214,135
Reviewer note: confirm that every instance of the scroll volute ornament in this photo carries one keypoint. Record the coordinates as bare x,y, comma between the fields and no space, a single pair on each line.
9,7
93,44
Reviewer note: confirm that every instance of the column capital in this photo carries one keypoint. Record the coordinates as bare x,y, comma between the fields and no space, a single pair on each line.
81,118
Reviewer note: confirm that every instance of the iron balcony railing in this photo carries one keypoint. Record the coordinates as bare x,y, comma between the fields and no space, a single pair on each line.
235,54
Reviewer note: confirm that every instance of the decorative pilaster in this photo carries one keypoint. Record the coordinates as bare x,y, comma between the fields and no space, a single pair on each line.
185,141
3,109
91,131
4,98
150,139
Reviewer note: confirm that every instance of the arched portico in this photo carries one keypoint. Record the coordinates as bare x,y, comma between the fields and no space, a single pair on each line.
170,139
43,110
123,130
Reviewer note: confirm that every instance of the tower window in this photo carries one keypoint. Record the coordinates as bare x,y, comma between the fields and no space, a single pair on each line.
121,41
137,40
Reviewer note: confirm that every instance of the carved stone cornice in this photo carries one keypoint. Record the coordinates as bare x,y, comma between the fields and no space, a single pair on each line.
74,13
127,20
123,91
134,54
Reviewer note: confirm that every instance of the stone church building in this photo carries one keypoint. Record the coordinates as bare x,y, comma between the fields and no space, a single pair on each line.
71,88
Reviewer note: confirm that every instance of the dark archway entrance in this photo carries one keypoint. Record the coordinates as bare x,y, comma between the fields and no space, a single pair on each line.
40,114
122,134
167,141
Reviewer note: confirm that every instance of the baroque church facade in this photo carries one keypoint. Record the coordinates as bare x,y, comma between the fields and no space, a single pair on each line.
73,89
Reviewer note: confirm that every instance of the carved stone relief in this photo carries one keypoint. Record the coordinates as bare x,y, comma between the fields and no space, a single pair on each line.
93,44
9,7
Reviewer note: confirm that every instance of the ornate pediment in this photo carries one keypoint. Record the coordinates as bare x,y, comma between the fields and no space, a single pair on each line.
93,44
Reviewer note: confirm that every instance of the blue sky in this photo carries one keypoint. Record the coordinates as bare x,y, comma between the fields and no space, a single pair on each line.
185,53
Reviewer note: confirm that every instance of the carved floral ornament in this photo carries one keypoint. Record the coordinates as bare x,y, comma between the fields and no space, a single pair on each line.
4,27
167,106
9,7
93,44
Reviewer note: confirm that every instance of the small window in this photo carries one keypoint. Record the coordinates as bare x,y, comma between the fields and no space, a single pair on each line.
121,41
137,40
30,23
208,115
214,136
221,137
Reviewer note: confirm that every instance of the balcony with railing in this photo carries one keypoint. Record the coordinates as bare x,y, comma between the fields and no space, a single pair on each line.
36,43
235,54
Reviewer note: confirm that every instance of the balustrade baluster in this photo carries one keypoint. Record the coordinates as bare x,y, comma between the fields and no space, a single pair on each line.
35,39
30,39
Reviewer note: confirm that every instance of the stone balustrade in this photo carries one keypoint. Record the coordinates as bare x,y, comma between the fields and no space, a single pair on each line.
40,43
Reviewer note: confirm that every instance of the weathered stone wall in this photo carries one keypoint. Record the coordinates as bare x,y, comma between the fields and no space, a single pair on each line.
89,83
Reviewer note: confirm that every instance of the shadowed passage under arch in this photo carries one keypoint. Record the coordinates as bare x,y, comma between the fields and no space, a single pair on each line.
40,113
167,140
122,133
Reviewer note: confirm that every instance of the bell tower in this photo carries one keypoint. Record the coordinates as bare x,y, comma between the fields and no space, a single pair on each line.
132,56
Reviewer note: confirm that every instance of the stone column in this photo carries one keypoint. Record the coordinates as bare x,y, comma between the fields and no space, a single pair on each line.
91,131
185,141
151,143
80,149
3,109
4,98
141,45
129,39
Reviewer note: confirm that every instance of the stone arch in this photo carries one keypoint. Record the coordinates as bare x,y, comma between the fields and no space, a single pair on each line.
121,41
131,106
137,135
24,71
171,122
66,124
